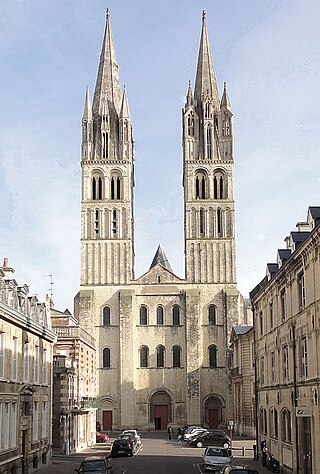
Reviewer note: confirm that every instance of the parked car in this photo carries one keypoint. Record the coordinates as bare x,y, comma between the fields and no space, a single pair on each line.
193,432
101,438
131,438
122,447
134,433
211,438
215,458
238,470
94,464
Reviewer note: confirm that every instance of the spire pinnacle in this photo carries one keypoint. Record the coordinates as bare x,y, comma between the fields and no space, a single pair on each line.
125,111
87,109
225,101
108,82
206,83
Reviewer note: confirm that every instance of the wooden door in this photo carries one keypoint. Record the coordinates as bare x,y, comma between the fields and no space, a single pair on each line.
107,420
213,417
161,417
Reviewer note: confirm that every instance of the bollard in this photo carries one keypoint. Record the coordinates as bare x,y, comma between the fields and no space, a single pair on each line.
254,447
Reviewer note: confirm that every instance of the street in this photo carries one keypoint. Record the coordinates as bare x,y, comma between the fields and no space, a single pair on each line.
157,455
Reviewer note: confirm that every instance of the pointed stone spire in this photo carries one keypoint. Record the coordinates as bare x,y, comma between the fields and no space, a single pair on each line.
189,94
225,101
205,78
125,111
108,82
87,109
160,257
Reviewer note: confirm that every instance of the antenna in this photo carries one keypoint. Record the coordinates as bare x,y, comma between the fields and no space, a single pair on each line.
51,285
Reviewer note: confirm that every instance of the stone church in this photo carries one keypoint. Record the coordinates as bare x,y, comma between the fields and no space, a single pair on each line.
162,340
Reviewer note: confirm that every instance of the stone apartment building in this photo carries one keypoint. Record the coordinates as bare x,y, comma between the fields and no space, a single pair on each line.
26,349
243,380
286,306
74,385
161,339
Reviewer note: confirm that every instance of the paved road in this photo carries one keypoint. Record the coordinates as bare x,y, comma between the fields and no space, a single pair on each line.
157,455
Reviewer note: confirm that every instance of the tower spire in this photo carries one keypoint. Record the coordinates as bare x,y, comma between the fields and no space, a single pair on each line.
108,82
206,83
87,110
225,101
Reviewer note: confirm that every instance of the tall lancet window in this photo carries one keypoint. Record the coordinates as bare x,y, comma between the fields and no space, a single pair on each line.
219,185
207,110
209,142
125,131
97,225
191,124
105,140
219,223
202,223
201,185
114,222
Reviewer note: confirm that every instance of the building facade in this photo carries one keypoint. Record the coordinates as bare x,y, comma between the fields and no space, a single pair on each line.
243,380
74,385
286,322
161,339
26,348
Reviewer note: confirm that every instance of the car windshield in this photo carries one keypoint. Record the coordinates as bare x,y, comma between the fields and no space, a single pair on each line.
89,466
217,452
120,442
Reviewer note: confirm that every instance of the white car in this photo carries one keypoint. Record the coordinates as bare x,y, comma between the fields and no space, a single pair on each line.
194,432
215,459
133,433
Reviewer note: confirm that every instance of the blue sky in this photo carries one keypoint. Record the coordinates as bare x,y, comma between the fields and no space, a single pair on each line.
268,52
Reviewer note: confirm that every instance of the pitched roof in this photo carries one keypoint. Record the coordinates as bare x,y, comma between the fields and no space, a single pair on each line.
160,257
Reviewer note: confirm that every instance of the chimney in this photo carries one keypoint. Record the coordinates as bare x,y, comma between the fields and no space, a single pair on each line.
8,271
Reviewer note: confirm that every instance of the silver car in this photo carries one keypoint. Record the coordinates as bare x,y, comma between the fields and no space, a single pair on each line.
215,458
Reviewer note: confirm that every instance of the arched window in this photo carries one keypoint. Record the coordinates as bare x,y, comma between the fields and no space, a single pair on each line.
191,124
219,185
97,226
114,222
160,356
144,356
219,223
115,187
212,356
160,315
106,316
125,131
96,186
201,185
207,110
143,315
176,315
286,428
212,315
273,422
106,358
263,421
176,356
105,144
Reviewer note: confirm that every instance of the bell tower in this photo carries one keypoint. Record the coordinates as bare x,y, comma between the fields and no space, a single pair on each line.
107,255
208,176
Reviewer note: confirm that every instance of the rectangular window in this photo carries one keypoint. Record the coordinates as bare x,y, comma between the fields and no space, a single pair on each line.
304,357
36,364
2,354
13,427
44,420
261,322
35,433
283,304
285,363
262,370
271,314
26,362
273,367
301,291
6,429
44,367
15,358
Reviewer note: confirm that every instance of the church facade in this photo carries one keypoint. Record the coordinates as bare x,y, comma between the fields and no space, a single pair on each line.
162,340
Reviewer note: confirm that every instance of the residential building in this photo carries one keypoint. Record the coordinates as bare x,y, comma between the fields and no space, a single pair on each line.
286,324
74,385
161,339
243,380
26,349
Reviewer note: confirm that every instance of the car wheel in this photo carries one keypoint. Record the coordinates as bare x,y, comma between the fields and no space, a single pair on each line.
199,444
100,440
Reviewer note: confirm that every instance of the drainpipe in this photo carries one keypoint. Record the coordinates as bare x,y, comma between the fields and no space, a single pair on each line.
255,383
295,392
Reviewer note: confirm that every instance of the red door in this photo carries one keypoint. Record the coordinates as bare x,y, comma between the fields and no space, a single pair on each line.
160,417
107,420
213,417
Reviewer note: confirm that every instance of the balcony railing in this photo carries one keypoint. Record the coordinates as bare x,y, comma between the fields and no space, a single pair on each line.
74,332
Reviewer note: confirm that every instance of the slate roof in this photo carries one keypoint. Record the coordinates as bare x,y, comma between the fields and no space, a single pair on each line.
160,257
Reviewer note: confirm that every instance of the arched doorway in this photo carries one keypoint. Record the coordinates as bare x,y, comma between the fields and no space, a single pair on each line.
160,410
213,412
105,413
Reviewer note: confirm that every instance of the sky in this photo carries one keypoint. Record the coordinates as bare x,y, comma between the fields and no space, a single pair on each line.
268,52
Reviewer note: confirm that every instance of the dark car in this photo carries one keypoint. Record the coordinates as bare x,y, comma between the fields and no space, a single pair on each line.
130,437
95,464
211,438
238,470
122,447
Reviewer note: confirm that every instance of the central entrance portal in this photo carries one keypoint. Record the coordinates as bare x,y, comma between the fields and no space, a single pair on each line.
160,410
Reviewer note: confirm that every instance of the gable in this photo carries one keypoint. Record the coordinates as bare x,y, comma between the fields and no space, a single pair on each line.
158,274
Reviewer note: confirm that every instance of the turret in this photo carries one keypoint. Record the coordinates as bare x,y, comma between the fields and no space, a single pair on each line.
87,125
